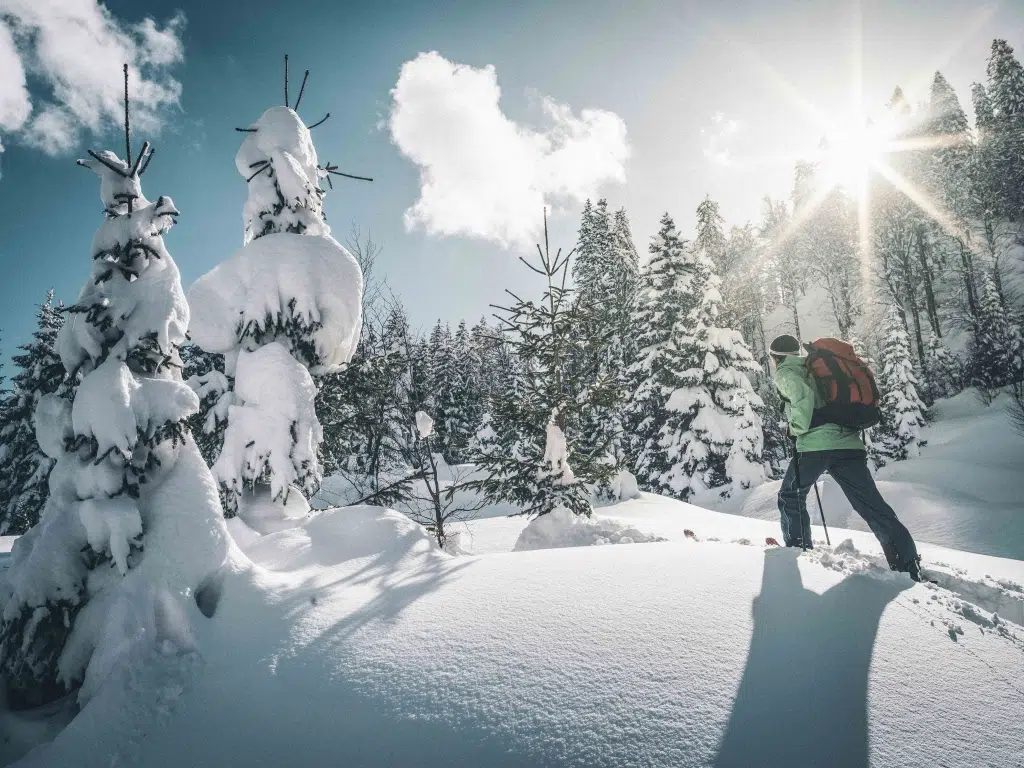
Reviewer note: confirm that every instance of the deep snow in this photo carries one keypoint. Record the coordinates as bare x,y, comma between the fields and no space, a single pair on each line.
352,640
349,639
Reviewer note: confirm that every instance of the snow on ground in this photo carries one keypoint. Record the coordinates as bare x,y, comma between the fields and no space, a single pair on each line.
352,640
962,492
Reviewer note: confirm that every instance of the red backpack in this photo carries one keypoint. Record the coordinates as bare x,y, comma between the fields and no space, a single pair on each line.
846,383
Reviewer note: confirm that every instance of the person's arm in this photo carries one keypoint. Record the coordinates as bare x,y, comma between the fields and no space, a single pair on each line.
795,389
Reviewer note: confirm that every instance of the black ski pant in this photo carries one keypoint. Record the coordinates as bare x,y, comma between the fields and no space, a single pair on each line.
850,471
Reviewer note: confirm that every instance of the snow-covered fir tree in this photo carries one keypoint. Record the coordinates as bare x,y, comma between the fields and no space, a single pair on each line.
284,308
132,528
943,374
1006,93
989,358
605,271
691,418
25,469
899,434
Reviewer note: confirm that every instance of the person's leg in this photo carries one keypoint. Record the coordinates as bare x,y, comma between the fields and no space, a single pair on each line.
796,523
851,472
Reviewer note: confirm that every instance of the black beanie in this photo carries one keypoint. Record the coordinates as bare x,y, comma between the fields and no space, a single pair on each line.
785,345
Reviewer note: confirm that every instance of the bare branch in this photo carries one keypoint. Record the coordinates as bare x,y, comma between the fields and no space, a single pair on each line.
138,162
107,163
320,122
301,89
350,176
145,165
261,170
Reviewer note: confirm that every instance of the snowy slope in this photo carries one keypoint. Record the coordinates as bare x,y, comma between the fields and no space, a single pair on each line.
962,492
352,641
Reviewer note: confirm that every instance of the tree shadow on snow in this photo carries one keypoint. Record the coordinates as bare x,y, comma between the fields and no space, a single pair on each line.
803,697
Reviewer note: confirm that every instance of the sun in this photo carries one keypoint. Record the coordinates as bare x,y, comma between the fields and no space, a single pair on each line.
848,157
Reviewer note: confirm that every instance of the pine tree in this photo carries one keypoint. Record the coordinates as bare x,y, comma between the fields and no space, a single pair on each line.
688,380
528,461
943,371
789,275
25,472
132,529
605,272
283,309
902,410
711,242
465,407
989,349
1006,92
949,179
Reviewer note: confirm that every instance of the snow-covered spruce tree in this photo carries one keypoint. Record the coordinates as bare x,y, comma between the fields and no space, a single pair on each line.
943,371
25,470
989,361
605,272
284,308
132,531
527,461
691,419
899,435
1006,92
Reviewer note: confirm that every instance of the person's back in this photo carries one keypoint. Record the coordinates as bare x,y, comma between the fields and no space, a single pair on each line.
832,448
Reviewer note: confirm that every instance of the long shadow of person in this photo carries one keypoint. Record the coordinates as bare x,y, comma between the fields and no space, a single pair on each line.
803,697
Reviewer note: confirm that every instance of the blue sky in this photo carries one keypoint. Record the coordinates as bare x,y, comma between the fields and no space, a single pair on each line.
694,87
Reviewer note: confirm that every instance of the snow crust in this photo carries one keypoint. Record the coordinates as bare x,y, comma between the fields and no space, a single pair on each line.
260,282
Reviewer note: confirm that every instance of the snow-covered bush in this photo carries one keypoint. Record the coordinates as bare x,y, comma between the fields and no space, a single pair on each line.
132,528
284,308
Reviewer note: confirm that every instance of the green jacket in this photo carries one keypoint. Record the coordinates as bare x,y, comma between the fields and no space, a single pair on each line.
796,385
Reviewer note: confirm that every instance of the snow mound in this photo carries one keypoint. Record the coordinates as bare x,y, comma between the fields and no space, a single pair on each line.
343,534
260,514
277,278
561,528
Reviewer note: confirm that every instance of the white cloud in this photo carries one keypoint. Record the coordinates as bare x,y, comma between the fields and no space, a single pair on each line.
76,48
717,140
483,175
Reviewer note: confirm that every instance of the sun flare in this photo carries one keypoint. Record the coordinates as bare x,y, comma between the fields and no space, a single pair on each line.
849,156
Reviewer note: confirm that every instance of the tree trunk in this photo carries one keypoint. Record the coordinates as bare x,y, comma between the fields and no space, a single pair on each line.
968,268
796,317
908,278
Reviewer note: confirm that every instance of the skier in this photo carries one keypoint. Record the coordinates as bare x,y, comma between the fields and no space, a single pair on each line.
832,448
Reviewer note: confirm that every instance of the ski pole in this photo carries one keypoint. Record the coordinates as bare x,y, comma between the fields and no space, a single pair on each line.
799,495
822,513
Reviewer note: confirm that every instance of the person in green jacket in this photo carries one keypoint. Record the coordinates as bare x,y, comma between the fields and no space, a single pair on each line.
837,450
